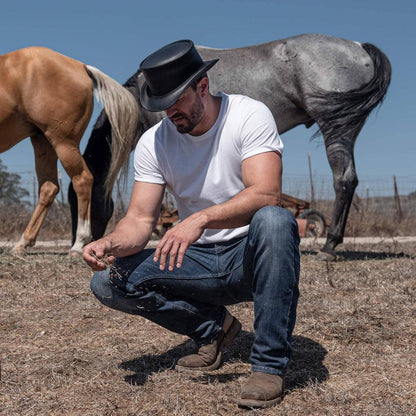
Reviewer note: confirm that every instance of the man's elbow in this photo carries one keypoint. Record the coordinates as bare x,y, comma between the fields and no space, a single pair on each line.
273,198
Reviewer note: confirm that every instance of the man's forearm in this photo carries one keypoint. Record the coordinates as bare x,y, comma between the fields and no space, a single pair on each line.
238,211
130,236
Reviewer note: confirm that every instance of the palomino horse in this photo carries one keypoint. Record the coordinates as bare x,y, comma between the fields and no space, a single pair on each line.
305,79
49,97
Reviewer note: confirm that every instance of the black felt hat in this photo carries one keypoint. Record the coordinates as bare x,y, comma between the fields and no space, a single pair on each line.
168,72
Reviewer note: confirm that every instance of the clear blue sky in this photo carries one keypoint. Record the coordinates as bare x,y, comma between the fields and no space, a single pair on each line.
116,35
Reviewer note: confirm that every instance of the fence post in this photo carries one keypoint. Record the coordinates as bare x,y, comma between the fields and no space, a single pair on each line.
120,197
397,200
60,187
34,193
311,180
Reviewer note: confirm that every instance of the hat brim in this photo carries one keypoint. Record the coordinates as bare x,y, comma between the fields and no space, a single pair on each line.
160,103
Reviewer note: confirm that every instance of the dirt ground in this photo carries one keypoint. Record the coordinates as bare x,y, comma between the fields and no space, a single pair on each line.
63,353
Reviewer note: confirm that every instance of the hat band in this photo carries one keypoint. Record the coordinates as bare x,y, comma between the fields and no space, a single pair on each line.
172,77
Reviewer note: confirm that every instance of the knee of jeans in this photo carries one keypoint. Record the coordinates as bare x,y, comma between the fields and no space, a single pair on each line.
271,219
99,284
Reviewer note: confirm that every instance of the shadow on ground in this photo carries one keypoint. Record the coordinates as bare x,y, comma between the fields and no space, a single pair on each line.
362,255
306,364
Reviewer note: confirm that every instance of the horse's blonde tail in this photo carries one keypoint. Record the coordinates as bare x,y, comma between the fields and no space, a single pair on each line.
123,113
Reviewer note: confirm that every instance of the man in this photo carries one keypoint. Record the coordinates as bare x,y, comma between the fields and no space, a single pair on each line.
220,156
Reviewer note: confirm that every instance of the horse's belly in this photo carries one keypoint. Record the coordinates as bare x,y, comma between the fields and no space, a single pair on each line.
13,131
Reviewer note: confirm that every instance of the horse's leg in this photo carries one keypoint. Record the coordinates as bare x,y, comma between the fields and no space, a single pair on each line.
46,171
102,208
341,159
82,180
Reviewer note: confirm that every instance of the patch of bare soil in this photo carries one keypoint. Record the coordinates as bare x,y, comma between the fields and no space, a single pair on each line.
63,353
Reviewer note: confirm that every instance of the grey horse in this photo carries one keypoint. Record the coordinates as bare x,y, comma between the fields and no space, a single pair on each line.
305,79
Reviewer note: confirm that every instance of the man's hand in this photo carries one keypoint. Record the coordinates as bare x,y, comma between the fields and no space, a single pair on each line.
176,241
98,254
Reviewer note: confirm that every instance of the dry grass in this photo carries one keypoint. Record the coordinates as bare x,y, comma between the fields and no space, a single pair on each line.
377,217
14,219
63,353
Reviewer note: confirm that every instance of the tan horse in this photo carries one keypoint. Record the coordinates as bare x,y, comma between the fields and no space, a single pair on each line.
49,97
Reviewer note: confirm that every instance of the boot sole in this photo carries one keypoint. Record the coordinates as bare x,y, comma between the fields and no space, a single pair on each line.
262,404
228,339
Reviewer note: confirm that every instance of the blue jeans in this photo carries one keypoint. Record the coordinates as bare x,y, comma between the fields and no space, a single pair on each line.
262,267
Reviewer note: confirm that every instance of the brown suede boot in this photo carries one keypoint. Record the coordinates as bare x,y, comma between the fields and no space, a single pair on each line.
208,357
262,390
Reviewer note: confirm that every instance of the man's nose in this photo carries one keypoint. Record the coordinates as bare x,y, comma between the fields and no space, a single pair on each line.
170,111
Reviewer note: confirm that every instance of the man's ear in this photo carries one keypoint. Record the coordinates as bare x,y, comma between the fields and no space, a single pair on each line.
204,86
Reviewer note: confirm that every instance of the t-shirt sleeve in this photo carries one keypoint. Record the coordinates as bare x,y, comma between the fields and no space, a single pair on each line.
146,166
259,131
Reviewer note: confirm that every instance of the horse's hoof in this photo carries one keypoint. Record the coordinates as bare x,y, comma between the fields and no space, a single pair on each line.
18,251
74,254
325,256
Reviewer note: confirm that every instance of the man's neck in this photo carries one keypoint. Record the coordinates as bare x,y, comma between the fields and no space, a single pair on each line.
212,110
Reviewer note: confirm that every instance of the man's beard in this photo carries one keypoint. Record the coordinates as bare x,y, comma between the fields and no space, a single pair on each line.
189,122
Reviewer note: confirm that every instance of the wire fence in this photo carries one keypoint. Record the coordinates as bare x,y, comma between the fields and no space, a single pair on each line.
298,186
368,187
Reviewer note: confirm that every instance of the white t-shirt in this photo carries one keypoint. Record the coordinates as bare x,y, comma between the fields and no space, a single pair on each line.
201,171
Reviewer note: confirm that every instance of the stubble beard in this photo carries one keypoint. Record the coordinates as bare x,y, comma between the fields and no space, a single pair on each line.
189,122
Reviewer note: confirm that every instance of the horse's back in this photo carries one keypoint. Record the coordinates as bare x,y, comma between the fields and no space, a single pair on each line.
285,73
35,86
327,62
40,64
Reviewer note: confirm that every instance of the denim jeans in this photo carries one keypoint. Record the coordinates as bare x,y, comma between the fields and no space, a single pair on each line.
262,267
